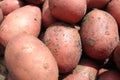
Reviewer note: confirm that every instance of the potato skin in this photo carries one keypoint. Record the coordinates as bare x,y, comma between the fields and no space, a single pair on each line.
116,56
26,19
99,34
86,70
8,6
113,8
96,3
47,17
109,75
70,11
31,58
65,44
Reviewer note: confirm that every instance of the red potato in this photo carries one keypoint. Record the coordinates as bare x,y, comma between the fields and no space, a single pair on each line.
97,3
70,11
65,44
99,34
36,2
116,56
8,6
27,58
26,19
113,8
109,75
86,70
47,17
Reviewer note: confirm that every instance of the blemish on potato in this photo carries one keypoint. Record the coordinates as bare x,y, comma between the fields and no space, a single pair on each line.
35,19
90,42
107,33
45,65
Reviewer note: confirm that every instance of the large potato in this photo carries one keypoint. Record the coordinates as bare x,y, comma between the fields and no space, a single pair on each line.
8,6
26,19
113,8
65,44
70,11
27,58
99,34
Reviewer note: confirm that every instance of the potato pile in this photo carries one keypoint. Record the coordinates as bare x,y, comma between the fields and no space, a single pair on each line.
59,40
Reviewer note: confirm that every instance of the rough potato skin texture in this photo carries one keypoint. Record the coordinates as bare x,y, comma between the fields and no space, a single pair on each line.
99,34
96,3
36,2
23,20
113,8
8,6
109,75
27,58
116,56
47,17
86,70
70,11
65,44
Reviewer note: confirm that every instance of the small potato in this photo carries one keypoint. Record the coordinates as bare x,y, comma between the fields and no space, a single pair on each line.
99,34
96,3
114,9
8,6
26,19
27,58
86,70
109,75
65,44
36,2
47,17
70,11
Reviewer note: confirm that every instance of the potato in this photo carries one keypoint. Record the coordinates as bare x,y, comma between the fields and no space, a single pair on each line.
8,6
86,70
99,34
47,17
26,19
65,44
109,75
36,2
116,56
97,3
70,11
27,58
113,8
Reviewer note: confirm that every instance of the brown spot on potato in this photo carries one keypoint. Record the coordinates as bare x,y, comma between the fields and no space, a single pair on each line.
35,19
90,42
107,33
56,48
45,65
